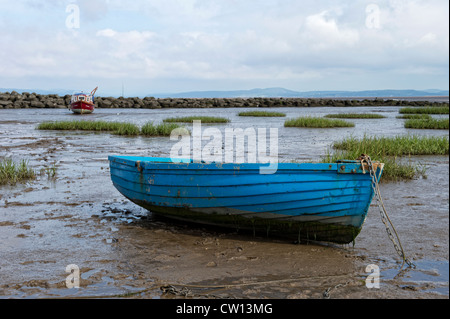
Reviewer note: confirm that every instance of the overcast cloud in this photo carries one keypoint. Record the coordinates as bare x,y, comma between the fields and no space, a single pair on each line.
183,45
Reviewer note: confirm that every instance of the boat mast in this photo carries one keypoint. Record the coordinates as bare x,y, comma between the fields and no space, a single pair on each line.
94,90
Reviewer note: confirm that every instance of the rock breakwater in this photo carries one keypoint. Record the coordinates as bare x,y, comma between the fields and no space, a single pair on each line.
15,100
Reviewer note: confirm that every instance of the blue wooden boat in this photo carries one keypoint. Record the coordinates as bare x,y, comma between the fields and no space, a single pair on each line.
304,201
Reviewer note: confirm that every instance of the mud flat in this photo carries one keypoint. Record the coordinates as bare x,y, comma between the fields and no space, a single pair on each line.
123,251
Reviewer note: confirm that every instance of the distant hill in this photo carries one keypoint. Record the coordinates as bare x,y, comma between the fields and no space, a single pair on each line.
268,92
281,92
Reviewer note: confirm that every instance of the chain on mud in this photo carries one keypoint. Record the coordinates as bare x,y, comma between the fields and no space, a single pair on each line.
169,289
390,229
327,293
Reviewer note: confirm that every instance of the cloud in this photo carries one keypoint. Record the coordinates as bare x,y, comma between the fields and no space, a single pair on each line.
323,33
226,42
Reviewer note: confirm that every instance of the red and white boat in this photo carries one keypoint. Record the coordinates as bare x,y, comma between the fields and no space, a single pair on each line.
82,103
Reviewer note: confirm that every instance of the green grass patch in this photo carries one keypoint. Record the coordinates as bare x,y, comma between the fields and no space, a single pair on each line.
355,116
391,150
163,129
190,119
262,114
433,124
415,116
119,128
12,173
425,110
396,146
127,129
50,171
316,122
395,169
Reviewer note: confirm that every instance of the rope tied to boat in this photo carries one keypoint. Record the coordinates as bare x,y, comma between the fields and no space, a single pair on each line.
390,229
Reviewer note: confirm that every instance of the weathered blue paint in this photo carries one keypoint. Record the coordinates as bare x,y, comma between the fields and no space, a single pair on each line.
321,201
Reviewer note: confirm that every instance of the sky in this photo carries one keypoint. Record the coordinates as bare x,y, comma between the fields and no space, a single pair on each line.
170,46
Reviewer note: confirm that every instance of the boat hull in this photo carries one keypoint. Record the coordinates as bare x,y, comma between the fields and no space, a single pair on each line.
315,202
80,107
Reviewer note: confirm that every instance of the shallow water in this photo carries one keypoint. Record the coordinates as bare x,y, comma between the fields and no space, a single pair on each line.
79,218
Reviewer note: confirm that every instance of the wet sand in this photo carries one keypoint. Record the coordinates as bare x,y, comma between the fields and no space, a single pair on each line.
123,251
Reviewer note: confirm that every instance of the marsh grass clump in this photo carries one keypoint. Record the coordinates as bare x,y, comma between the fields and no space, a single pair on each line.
392,151
415,116
119,128
163,129
78,125
316,122
395,168
50,171
427,123
126,129
190,119
262,114
12,173
355,116
425,110
396,146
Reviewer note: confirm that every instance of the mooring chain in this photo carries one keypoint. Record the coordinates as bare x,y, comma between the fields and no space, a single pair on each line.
326,293
384,216
185,292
